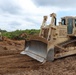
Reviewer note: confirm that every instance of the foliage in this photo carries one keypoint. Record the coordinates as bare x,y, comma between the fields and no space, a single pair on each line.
17,33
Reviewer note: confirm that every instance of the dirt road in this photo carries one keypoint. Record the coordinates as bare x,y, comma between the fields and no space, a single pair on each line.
12,63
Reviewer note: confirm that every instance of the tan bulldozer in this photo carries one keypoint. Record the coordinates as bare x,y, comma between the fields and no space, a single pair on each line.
54,41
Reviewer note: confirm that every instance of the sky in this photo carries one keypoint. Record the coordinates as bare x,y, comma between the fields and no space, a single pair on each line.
28,14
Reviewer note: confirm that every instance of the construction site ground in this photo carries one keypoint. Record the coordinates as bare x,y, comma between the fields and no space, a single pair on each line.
13,63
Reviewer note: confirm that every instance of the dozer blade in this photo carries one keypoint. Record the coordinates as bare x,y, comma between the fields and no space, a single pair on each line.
36,48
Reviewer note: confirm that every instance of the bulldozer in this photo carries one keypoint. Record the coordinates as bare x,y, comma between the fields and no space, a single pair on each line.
54,41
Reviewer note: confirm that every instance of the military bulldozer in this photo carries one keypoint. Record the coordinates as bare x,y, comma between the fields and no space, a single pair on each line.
54,41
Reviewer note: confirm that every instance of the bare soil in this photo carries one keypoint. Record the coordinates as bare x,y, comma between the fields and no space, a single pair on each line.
13,63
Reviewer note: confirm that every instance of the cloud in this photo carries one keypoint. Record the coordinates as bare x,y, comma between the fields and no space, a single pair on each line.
26,14
14,24
22,14
56,3
8,6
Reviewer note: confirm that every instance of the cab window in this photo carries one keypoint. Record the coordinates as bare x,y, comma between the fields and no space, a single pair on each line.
63,21
75,22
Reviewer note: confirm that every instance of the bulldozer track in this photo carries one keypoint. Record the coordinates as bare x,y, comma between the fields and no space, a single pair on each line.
67,42
66,51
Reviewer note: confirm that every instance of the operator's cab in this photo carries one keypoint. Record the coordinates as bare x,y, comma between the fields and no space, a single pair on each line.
70,22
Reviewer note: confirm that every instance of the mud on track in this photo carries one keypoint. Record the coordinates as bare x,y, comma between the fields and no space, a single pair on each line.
12,63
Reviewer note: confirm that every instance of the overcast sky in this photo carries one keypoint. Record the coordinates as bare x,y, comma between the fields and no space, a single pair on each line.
28,14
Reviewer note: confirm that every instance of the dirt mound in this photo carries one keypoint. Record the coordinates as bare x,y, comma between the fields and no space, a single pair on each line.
21,36
13,63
